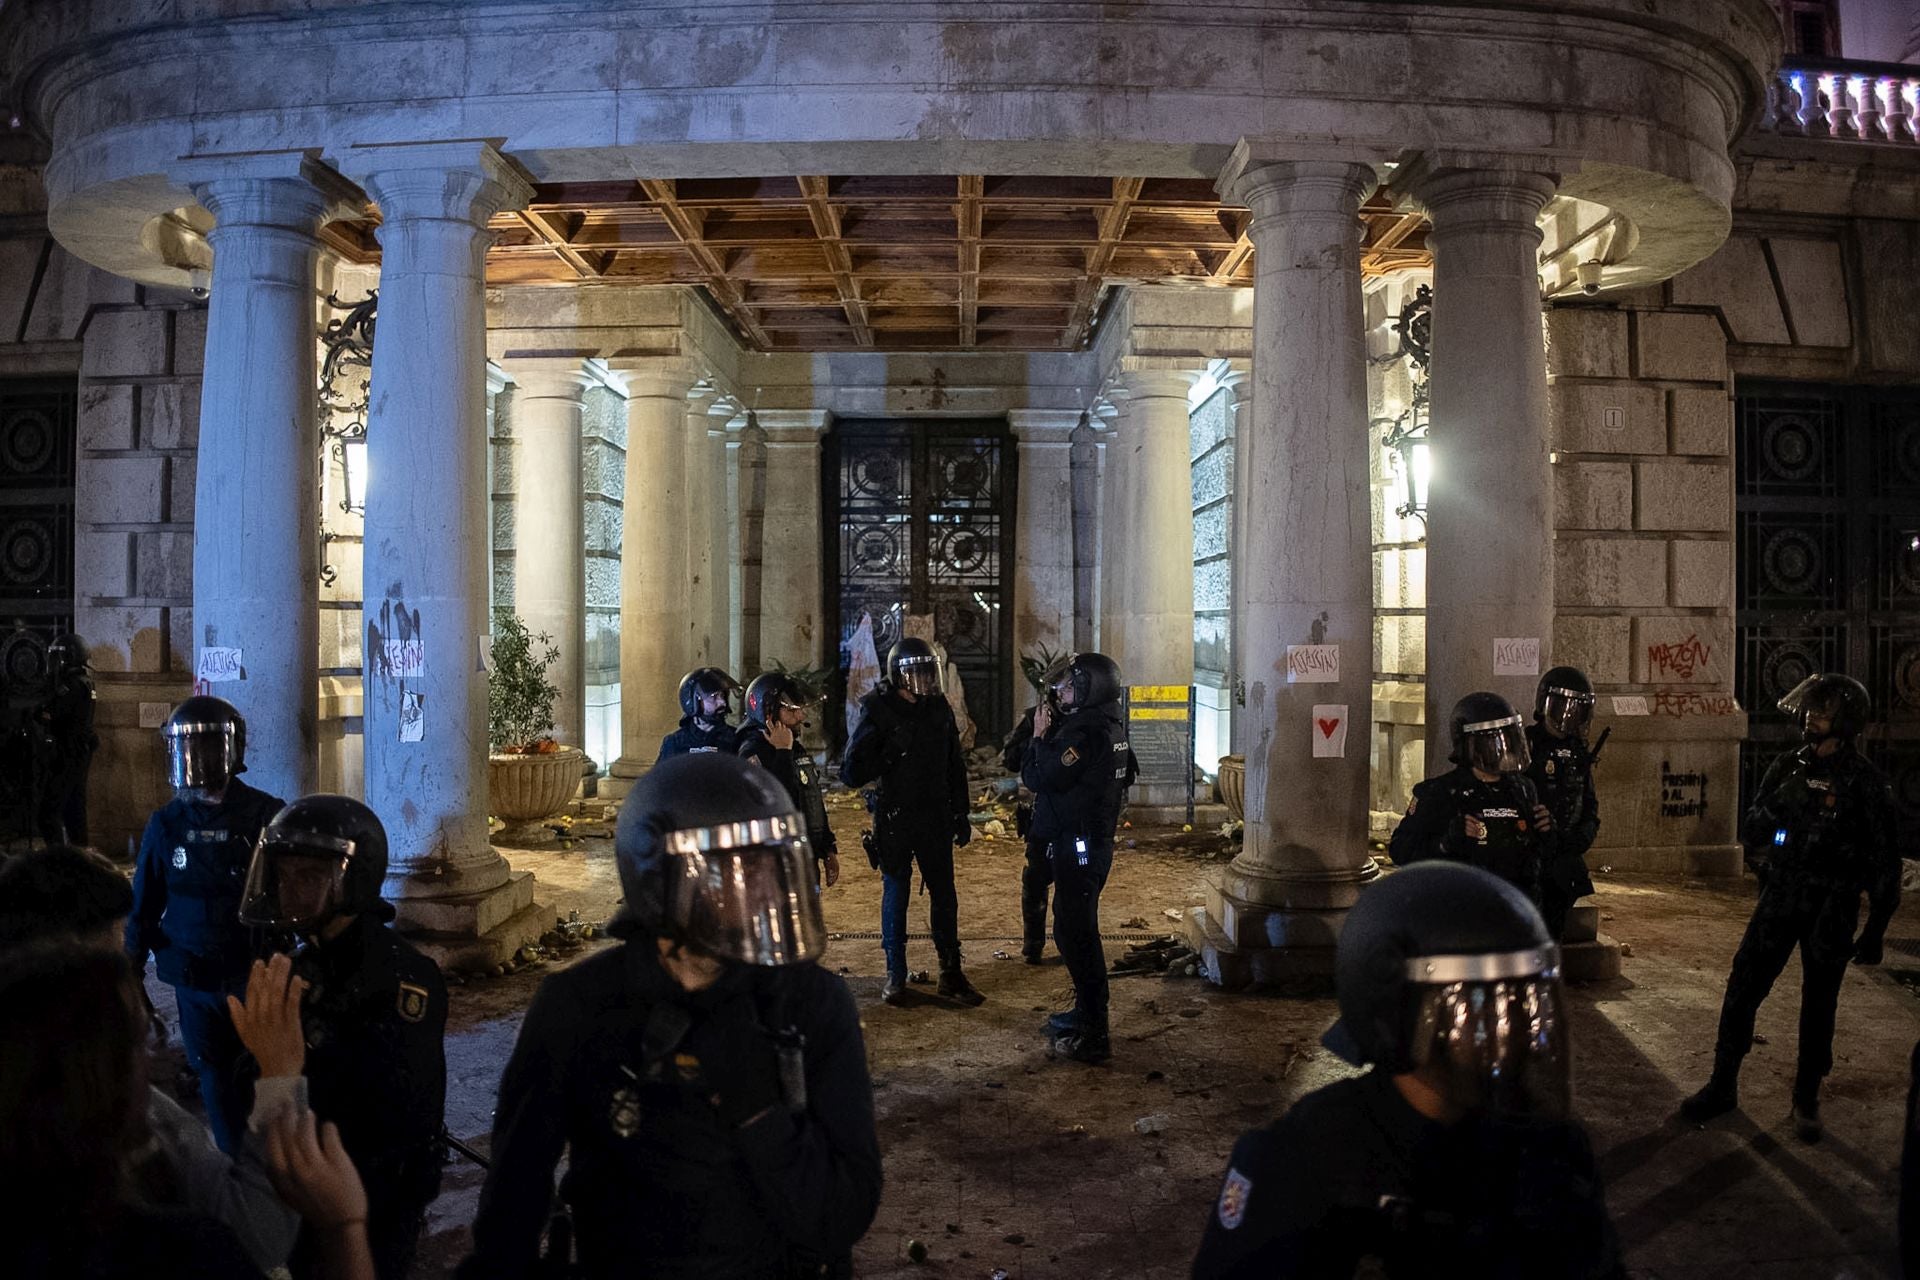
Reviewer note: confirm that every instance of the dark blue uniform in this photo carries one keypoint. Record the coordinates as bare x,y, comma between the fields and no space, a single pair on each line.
694,736
376,1020
1079,774
1036,876
1561,770
641,1083
186,913
799,775
1513,847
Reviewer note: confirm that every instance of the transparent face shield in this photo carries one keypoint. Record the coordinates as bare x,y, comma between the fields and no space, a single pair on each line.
745,891
1810,698
200,757
920,675
295,880
1496,746
1492,1031
1567,712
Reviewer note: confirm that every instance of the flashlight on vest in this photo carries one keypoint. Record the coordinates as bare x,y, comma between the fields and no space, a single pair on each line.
1780,836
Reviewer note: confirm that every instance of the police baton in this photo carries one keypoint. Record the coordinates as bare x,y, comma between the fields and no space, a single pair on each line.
1593,756
453,1143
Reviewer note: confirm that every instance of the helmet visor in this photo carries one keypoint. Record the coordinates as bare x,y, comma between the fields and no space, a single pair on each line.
920,674
1499,1045
296,880
1496,746
745,891
200,757
1567,712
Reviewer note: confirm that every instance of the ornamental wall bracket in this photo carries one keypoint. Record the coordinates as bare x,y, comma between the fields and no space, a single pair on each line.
346,389
1408,432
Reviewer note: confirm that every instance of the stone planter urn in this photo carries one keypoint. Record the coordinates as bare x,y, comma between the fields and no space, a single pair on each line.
526,790
1232,785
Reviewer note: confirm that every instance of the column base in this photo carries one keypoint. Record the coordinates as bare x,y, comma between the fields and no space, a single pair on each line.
1295,970
1265,930
1206,814
474,931
1586,954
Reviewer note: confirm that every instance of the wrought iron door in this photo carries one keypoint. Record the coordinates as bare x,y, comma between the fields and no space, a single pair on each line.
920,521
1827,519
37,424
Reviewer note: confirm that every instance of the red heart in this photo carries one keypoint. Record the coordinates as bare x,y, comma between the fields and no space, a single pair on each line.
1327,727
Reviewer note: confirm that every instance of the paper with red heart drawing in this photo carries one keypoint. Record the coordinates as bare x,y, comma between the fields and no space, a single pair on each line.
1330,732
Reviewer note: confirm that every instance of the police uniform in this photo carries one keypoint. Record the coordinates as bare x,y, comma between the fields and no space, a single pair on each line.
68,716
376,1020
676,1168
1036,875
1352,1172
797,772
1561,770
696,736
187,886
1435,827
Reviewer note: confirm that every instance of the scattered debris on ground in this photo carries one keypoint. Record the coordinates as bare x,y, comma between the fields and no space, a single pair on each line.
1166,955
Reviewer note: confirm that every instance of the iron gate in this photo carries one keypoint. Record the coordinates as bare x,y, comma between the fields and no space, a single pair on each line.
37,424
1827,523
920,521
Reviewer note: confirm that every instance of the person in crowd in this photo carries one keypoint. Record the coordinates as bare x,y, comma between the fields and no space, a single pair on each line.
909,746
1079,766
1484,811
776,713
1560,766
706,698
1820,833
1454,1154
186,897
707,1078
375,1013
66,717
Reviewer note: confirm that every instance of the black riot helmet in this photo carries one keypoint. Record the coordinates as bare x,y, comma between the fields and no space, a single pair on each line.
702,683
1447,970
66,654
206,744
712,855
912,665
1088,680
320,858
1488,734
770,691
1563,702
1842,699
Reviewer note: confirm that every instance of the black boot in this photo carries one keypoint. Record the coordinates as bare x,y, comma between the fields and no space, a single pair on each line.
1086,1043
1032,951
1720,1095
954,985
1065,1023
1806,1112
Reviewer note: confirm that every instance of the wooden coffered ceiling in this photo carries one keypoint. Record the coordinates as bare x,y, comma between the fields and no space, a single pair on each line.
820,263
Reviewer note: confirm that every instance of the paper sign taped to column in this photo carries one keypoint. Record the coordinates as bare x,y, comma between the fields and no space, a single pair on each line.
1635,705
407,659
217,665
486,653
1313,664
1516,656
413,717
1330,732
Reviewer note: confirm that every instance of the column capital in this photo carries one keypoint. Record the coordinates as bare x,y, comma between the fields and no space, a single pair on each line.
1153,377
1279,188
794,426
436,181
498,380
550,377
654,377
1458,198
290,189
1035,427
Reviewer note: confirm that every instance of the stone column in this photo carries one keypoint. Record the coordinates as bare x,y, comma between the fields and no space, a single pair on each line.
1084,466
791,627
720,522
653,561
1240,385
426,545
1116,448
1043,533
1490,509
748,484
256,497
1306,580
701,478
1156,523
549,557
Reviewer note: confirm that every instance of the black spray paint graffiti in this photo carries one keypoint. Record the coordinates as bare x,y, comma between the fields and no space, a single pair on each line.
396,654
1682,795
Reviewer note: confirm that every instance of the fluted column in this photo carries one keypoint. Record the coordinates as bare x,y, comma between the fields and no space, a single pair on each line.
1490,505
549,555
256,494
425,610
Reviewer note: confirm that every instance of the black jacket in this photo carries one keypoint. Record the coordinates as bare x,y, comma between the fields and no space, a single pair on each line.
187,884
1561,770
1827,823
660,1185
1303,1198
691,738
800,775
1079,774
912,750
1013,751
1435,826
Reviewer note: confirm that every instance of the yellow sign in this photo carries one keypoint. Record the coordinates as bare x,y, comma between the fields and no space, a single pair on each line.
1156,713
1159,693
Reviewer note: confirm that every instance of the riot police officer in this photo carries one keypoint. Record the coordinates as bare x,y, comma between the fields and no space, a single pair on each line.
708,1079
187,888
705,700
1454,1154
1820,833
375,1013
776,712
1561,770
1036,875
1079,766
1484,812
67,717
907,742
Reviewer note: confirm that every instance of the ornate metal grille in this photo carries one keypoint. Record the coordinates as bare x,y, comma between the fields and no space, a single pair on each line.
920,521
37,428
1828,529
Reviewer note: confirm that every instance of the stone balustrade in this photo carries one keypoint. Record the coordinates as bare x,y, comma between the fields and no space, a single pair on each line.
1848,101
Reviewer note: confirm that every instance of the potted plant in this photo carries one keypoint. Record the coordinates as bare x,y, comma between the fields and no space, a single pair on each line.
530,777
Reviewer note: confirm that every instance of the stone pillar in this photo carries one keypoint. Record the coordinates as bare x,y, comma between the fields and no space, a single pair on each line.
792,629
549,557
1307,580
256,498
1240,385
1490,509
1116,449
1157,525
426,546
1043,573
1084,463
702,477
653,561
748,483
720,522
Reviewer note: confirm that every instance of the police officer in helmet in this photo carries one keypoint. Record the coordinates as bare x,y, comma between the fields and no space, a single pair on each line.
1079,766
907,743
67,717
1036,876
1454,1154
706,695
1561,770
1820,834
1485,812
187,885
375,1013
776,712
708,1079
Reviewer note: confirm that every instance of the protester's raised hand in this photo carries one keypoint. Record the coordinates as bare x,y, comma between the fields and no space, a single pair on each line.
312,1172
268,1023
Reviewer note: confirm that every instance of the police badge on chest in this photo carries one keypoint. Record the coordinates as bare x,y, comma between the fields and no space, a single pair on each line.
623,1114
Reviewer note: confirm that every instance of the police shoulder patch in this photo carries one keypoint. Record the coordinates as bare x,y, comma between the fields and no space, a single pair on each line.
1070,757
412,1004
1234,1195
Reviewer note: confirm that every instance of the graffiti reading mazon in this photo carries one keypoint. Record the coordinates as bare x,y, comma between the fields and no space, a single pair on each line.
1695,704
1679,661
1682,795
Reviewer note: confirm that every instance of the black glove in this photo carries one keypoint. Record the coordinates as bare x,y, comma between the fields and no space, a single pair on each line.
739,1065
962,831
1868,950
